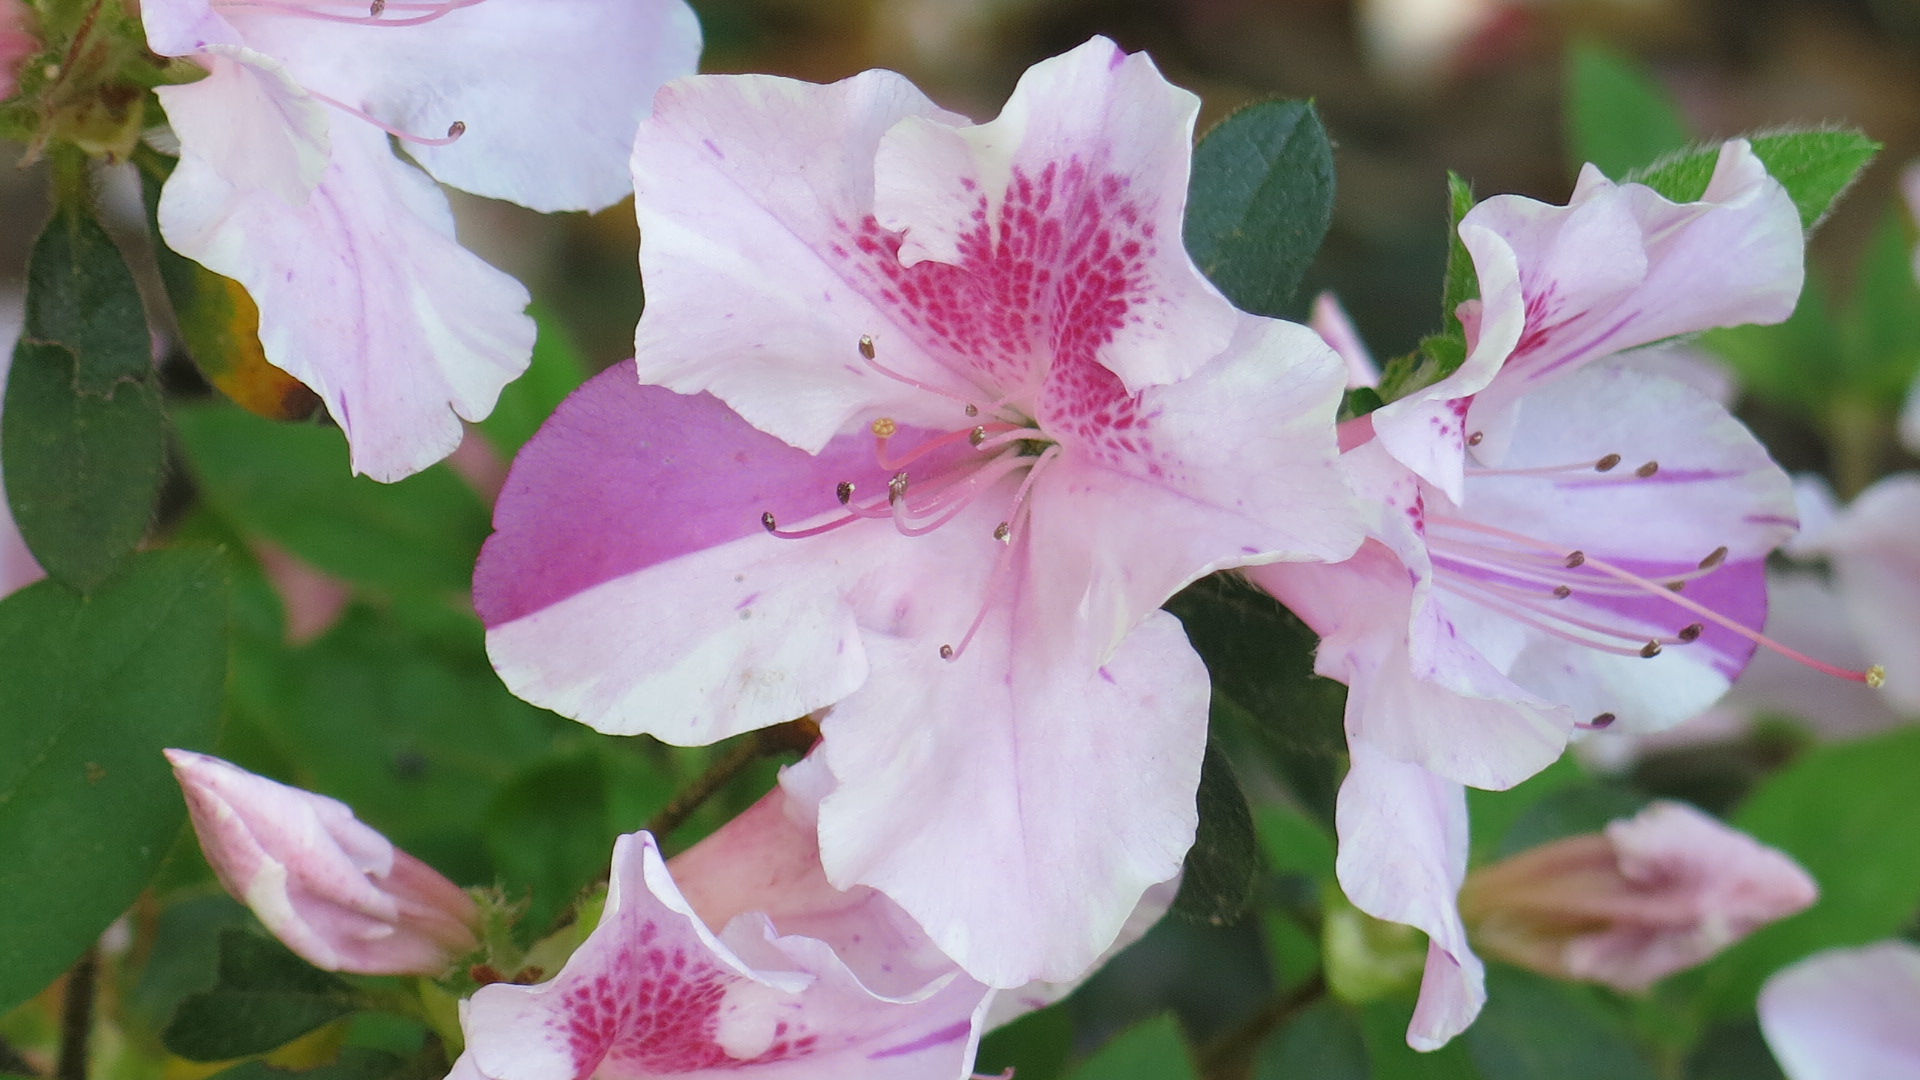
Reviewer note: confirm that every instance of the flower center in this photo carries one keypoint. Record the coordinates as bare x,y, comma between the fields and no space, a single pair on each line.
1532,581
928,489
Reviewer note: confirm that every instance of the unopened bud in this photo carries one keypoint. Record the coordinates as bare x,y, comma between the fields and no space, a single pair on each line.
1654,894
334,890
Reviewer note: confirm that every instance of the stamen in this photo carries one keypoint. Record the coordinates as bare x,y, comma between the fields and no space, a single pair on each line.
1001,565
1691,632
1650,650
946,652
1003,532
454,130
1561,592
972,409
430,11
897,486
866,346
1718,556
376,8
1599,723
867,353
1606,464
768,523
1647,470
844,492
1576,559
1476,438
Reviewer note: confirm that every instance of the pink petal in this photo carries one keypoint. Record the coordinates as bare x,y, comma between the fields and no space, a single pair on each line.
532,136
1403,855
180,27
1083,176
251,124
759,286
1330,321
364,295
1846,1014
1876,571
993,764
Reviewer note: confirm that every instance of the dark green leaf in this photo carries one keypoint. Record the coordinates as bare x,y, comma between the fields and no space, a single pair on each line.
291,483
1848,814
1734,1051
1536,1029
1385,1026
1260,202
1324,1043
1880,350
1618,118
1493,813
83,469
1221,866
549,832
526,402
1816,168
185,957
1035,1047
353,1064
80,294
1771,362
1569,811
91,691
265,997
1441,354
1149,1051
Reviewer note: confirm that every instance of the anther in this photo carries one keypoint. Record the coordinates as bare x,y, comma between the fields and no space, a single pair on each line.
1719,556
767,522
1692,632
1002,531
977,436
946,652
1561,592
1576,559
897,486
1476,438
1607,463
1602,722
456,129
866,346
1676,586
845,492
377,8
972,409
884,428
1647,470
1650,650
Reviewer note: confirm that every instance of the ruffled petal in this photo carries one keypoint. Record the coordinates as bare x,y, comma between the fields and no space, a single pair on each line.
364,294
995,764
1846,1014
250,124
1066,214
180,27
1403,855
762,266
546,142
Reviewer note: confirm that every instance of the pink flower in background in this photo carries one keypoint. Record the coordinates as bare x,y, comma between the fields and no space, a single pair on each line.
740,956
1654,894
960,414
1558,544
19,41
1872,548
18,569
332,889
286,182
1846,1014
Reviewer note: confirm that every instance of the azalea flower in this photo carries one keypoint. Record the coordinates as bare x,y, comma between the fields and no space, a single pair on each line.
1846,1014
739,955
1875,563
332,889
1652,895
287,184
1561,543
18,568
940,414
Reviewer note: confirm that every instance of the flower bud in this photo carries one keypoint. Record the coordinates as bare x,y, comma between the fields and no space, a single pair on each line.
1654,894
18,44
335,891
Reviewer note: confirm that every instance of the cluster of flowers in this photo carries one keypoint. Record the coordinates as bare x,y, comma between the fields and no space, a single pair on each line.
927,420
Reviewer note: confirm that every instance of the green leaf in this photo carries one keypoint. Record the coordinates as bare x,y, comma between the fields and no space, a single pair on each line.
1816,168
1536,1029
84,443
1221,866
1148,1051
353,1064
1618,117
1771,362
1260,656
185,957
1295,843
1441,354
1848,814
1325,1043
1260,202
1493,813
550,833
1880,349
1733,1051
1384,1023
265,997
291,483
83,469
1581,807
91,691
557,370
1036,1046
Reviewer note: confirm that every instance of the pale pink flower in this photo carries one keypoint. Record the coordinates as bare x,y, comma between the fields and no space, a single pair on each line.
1558,543
1846,1014
1040,422
18,568
1873,548
739,956
332,889
287,184
19,41
1654,894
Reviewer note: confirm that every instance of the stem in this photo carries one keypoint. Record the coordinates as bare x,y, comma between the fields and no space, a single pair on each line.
12,1062
793,735
76,1017
1231,1055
